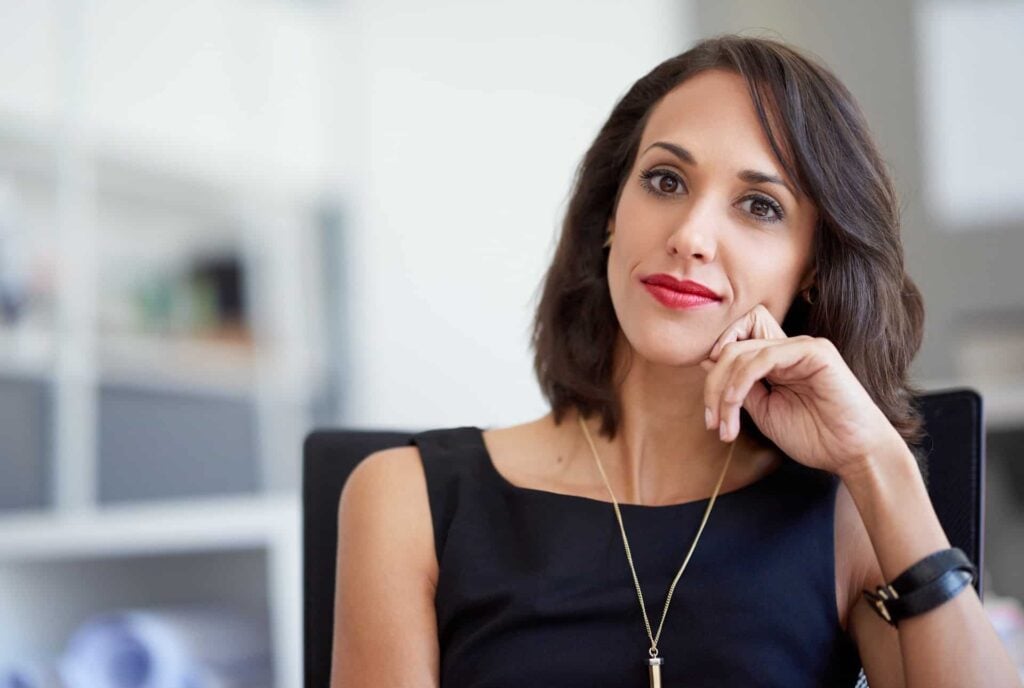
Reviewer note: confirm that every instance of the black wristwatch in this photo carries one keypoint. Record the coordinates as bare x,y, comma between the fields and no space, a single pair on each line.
925,585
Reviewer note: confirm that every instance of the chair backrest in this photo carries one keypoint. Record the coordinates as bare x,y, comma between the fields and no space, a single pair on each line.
954,451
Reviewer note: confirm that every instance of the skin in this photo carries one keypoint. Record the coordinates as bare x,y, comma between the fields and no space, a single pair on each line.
706,227
683,376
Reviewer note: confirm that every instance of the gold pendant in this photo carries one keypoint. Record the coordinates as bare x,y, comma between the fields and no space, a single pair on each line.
654,665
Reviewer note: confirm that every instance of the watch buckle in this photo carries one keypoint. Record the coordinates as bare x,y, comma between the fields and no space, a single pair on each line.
883,594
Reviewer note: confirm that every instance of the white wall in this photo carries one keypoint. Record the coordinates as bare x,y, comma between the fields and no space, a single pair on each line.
229,87
29,60
970,60
471,118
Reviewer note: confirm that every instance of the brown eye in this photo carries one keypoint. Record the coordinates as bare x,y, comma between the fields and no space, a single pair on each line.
661,183
764,209
667,184
760,208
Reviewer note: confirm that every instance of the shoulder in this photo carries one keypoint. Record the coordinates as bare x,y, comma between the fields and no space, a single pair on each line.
399,465
386,576
387,482
384,506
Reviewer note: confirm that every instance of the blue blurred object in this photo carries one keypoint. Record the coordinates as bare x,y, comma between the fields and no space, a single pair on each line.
169,648
30,675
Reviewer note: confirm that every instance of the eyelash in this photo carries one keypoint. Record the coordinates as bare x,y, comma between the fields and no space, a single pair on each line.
647,175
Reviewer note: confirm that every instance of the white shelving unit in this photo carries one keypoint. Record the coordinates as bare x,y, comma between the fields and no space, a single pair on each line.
58,569
166,527
100,184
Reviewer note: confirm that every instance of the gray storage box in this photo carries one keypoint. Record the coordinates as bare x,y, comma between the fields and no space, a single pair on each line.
163,444
26,464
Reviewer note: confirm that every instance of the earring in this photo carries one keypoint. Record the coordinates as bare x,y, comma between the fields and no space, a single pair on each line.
608,239
807,294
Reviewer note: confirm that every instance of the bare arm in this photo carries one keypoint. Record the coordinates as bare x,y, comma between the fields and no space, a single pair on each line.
385,626
877,642
951,645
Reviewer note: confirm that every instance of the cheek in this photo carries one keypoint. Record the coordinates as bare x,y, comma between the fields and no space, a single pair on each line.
770,282
616,255
616,277
620,287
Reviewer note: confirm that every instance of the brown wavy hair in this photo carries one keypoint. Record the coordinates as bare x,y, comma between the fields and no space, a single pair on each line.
867,305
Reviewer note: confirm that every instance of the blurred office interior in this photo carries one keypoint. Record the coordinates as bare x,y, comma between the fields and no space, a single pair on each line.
226,222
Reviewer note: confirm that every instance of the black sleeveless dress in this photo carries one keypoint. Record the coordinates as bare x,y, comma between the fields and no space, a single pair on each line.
534,588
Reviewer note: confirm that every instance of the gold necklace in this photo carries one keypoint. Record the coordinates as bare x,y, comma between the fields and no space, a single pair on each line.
654,662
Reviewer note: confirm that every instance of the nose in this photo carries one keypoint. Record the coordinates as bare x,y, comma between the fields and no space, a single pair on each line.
695,235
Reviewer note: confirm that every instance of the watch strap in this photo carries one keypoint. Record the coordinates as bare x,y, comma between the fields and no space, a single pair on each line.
925,585
930,568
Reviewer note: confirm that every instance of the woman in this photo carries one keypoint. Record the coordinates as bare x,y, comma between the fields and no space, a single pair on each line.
733,188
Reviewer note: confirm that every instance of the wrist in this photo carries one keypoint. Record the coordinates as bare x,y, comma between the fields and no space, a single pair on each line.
890,459
930,582
892,499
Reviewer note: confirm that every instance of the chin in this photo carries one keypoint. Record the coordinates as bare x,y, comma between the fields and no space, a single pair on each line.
664,346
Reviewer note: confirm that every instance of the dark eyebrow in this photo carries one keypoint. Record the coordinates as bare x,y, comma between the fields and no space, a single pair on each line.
677,150
755,177
749,176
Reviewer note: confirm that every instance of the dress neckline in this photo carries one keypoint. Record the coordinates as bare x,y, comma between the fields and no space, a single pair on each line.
507,485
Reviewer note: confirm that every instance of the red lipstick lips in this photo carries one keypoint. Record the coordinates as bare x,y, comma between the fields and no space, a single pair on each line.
676,293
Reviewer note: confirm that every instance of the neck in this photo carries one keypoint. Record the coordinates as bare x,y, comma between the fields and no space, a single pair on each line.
662,453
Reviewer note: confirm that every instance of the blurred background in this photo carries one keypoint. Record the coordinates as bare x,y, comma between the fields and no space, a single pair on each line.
226,222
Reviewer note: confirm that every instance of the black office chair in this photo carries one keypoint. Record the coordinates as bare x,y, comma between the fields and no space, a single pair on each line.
955,451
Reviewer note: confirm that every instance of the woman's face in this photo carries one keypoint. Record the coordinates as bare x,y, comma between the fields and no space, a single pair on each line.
690,209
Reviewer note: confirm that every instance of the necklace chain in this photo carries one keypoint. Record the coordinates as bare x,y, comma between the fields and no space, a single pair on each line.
653,651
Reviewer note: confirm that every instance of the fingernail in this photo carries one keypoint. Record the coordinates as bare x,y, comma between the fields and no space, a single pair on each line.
708,420
722,430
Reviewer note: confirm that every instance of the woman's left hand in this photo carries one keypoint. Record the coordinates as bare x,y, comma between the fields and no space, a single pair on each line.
816,410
